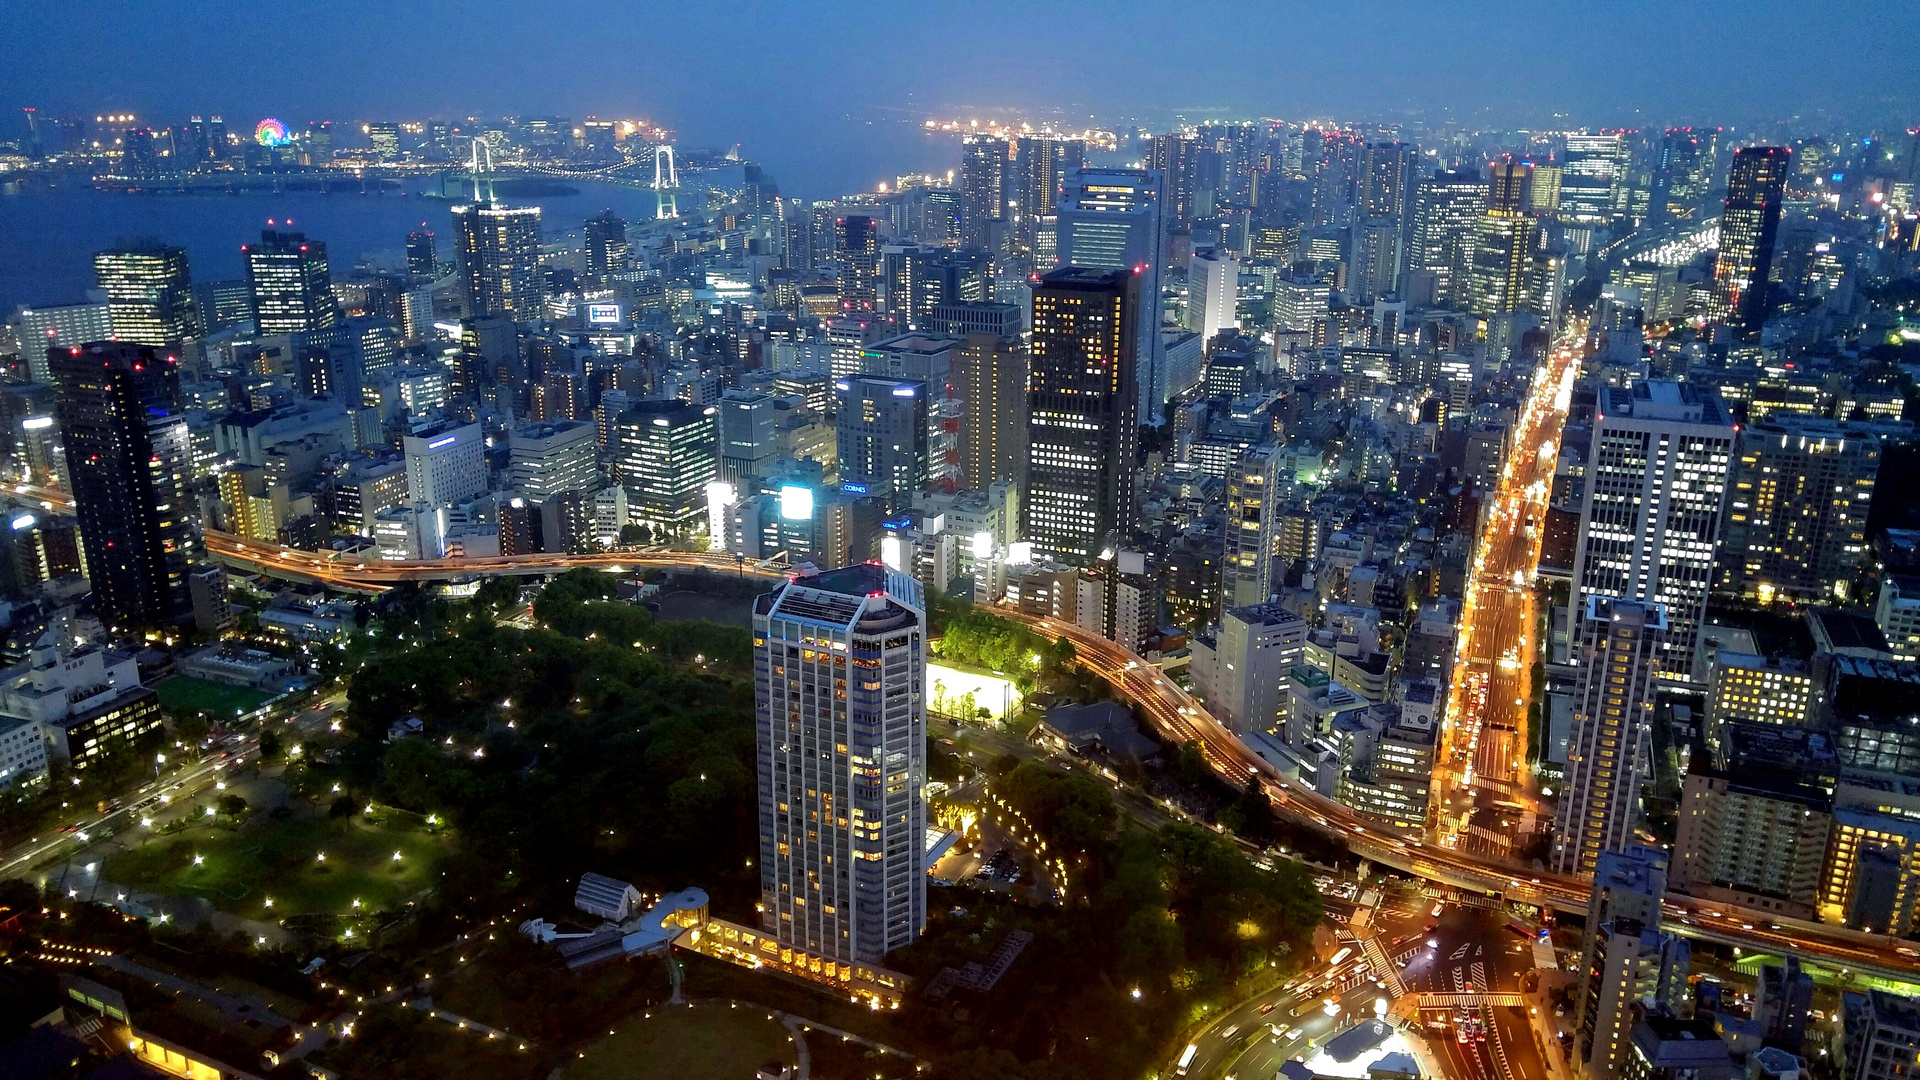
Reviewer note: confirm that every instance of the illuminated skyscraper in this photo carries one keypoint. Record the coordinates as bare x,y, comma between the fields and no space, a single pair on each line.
1385,180
1593,182
149,293
667,452
1450,206
1252,511
1610,745
1110,219
990,374
288,281
840,661
1656,477
1797,507
983,190
1213,283
883,438
128,457
1174,156
1502,244
497,249
1742,295
1081,407
1041,164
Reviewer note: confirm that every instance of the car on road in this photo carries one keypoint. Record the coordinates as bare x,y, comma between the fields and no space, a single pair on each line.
1267,1007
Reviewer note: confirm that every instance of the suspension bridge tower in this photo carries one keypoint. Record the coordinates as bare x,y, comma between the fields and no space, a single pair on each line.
480,168
666,182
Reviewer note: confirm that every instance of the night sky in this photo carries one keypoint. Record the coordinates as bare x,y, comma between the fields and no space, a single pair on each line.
775,77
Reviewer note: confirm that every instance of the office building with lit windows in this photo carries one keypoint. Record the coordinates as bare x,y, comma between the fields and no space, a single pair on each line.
128,458
983,191
1082,423
881,431
840,705
1112,219
1759,689
549,458
149,293
1593,178
289,284
1796,521
1610,742
86,702
1749,226
1252,509
38,329
446,463
1449,206
1896,612
496,249
1213,281
1614,957
1756,821
667,455
1501,254
856,240
1656,476
990,377
605,247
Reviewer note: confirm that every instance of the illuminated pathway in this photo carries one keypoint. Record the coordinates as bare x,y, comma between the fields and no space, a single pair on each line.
1178,717
1483,742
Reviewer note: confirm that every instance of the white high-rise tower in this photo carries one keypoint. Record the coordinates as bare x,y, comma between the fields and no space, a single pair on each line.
840,664
1656,481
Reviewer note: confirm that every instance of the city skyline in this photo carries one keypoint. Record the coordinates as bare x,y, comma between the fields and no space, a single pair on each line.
939,543
1644,70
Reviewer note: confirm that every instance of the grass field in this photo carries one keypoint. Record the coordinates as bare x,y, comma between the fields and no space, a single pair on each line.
218,700
704,1042
240,869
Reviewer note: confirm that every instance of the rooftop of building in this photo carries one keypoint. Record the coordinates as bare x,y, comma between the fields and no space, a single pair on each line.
1272,613
1669,1042
839,597
1835,631
1746,661
1666,400
924,343
1083,276
547,429
1107,723
1631,870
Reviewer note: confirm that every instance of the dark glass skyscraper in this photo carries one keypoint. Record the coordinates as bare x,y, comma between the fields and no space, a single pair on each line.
983,189
857,239
1082,403
288,280
128,454
423,255
606,246
1741,295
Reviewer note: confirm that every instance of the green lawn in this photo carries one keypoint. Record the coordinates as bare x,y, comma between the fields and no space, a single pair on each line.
218,700
705,1042
240,869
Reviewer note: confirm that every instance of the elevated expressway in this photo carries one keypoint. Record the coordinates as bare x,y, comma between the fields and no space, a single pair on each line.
1178,716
